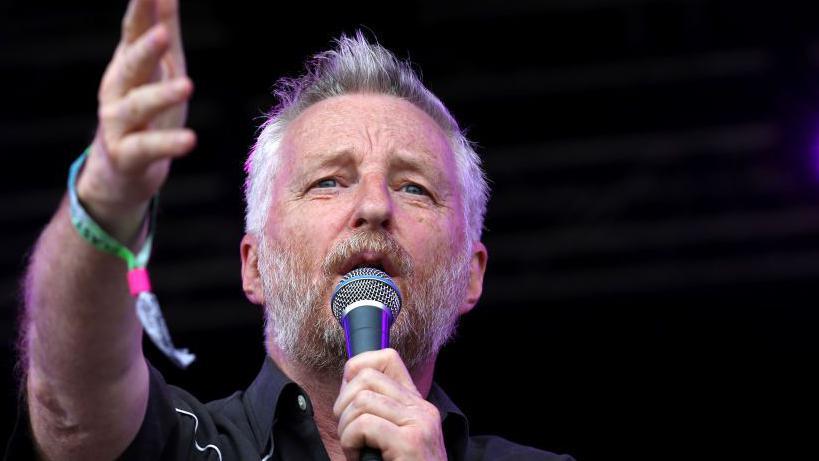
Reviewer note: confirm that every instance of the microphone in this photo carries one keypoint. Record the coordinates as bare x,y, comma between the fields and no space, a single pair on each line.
366,301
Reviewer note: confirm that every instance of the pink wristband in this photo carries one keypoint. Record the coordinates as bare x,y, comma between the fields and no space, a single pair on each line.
138,281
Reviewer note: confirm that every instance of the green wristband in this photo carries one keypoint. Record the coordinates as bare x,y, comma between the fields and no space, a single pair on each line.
147,305
95,235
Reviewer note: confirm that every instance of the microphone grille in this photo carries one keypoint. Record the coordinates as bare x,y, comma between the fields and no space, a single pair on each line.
366,283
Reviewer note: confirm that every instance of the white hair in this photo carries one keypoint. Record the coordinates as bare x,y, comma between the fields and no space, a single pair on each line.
356,66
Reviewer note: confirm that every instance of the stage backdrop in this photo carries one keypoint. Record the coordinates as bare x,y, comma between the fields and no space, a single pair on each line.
653,231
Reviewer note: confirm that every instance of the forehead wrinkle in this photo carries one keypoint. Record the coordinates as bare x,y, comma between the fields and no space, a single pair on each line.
373,140
348,116
338,124
417,147
391,134
309,146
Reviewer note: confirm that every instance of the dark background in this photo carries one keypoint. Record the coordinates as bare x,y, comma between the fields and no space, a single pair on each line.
653,231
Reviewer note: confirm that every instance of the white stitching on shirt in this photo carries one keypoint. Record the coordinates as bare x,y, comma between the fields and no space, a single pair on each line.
195,427
270,453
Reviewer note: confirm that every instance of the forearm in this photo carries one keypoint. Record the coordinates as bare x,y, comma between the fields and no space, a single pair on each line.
87,379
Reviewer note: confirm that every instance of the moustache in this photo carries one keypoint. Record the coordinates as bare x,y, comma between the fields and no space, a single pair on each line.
389,252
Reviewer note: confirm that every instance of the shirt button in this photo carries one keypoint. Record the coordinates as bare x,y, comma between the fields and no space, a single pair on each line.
302,402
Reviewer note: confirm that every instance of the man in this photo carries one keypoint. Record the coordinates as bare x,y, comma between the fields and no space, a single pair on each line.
360,165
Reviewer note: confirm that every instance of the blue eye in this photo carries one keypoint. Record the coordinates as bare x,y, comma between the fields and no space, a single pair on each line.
329,182
414,189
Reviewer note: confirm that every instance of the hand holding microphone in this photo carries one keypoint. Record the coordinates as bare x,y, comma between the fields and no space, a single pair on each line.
380,411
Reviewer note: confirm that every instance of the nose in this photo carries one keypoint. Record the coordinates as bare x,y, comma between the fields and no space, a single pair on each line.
373,207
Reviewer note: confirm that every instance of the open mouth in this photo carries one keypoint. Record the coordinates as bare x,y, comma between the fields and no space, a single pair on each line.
373,260
372,266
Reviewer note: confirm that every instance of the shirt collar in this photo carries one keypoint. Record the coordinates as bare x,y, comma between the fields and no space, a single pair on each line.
262,399
454,424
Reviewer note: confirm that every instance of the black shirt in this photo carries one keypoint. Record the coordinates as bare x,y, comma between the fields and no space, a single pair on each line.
271,420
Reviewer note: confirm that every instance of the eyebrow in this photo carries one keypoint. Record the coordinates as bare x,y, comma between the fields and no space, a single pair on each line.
317,161
331,158
405,161
415,161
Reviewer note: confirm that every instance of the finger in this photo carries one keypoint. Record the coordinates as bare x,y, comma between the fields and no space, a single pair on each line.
137,150
140,15
134,64
143,103
387,361
373,403
138,62
368,431
375,381
168,15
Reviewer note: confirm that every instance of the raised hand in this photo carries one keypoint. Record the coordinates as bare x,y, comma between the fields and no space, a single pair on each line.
143,101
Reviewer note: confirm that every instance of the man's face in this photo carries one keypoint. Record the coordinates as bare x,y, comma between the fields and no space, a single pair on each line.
364,180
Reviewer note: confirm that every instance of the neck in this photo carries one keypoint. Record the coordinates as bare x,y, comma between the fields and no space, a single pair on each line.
323,392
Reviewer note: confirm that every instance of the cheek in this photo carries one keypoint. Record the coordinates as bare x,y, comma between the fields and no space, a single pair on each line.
294,232
310,229
433,238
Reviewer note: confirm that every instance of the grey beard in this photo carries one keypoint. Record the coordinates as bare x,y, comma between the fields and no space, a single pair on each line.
304,329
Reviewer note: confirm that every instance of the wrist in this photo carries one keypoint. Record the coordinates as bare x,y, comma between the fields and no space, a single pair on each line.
126,222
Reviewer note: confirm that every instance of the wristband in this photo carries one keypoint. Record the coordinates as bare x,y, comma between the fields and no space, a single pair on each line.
147,306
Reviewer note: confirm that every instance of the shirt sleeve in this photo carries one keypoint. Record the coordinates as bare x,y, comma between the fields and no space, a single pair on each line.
160,427
176,426
497,448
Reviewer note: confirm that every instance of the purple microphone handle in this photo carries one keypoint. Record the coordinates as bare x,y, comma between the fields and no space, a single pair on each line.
367,328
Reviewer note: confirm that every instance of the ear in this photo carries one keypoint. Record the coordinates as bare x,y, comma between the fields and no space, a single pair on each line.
251,278
477,267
